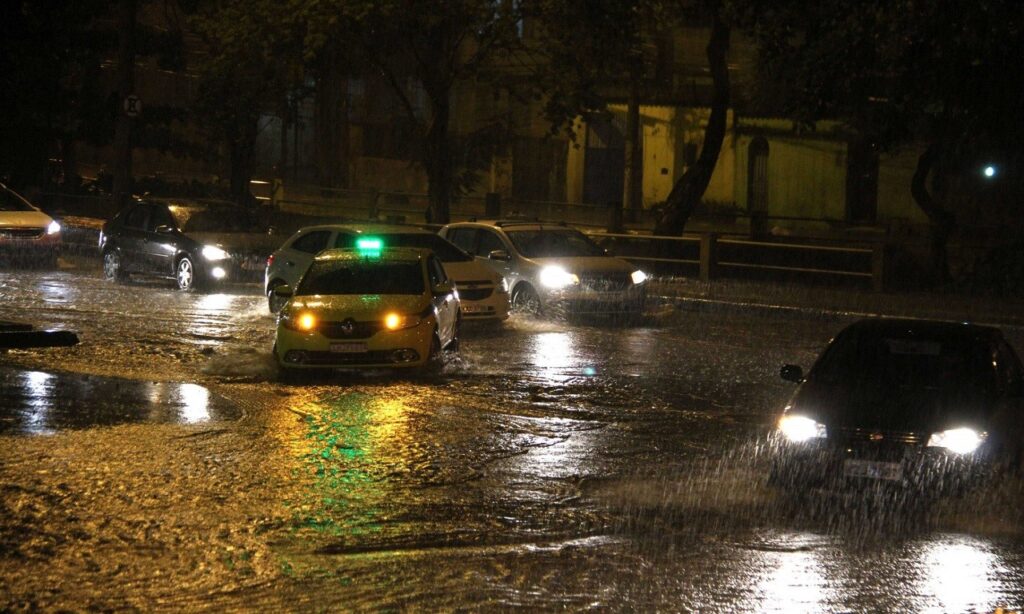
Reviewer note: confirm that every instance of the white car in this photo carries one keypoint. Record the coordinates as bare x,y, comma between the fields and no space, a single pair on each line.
26,233
553,268
482,291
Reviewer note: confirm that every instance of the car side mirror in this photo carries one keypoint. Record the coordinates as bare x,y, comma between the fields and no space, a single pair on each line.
283,291
164,229
499,254
792,373
443,288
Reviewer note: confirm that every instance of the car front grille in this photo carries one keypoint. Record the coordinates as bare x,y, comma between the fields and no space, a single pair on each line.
21,233
877,437
475,294
334,359
606,282
349,329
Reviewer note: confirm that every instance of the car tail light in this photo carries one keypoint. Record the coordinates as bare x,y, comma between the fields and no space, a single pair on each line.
270,260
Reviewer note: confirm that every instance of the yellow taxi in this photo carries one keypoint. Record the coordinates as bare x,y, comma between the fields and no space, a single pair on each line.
368,307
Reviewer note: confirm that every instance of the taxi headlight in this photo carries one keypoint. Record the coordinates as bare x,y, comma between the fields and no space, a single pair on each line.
53,228
638,277
213,253
398,321
801,428
961,440
557,277
502,286
302,321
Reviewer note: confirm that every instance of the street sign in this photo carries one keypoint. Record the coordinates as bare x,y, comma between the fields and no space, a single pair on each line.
132,105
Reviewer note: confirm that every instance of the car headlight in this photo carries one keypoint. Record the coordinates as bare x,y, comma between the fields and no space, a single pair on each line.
53,228
638,277
212,252
557,277
302,321
398,321
961,440
502,286
801,428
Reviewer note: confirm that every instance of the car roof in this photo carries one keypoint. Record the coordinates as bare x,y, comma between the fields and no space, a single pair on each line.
370,228
387,254
515,223
925,329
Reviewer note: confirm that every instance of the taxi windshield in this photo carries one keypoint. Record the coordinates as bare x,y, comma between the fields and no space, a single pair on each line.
9,201
362,277
549,243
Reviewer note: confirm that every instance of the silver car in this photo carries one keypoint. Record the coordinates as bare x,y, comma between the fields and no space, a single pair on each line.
482,292
552,268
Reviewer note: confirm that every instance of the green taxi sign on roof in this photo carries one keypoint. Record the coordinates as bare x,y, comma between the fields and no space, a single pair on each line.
369,244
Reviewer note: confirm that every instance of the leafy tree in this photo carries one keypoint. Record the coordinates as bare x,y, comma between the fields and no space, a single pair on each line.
252,61
945,75
421,47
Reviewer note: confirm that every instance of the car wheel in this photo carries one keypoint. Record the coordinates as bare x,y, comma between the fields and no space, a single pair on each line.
435,360
274,302
112,269
185,275
525,300
453,345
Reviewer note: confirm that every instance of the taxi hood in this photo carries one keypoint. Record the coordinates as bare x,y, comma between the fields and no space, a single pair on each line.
361,307
24,219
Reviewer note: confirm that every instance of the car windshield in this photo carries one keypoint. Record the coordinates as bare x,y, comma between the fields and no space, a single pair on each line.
907,362
551,243
362,277
219,219
9,201
444,250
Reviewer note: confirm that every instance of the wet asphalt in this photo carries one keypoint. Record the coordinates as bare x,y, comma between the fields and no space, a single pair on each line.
161,465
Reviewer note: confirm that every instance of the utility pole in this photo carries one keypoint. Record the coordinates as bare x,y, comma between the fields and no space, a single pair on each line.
632,197
126,15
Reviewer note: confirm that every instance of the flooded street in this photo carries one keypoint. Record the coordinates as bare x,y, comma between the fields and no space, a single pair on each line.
160,464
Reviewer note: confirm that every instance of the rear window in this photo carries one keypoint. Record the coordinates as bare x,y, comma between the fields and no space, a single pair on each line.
362,277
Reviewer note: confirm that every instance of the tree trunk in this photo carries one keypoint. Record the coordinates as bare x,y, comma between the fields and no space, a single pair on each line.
686,194
242,152
438,162
632,192
126,19
943,222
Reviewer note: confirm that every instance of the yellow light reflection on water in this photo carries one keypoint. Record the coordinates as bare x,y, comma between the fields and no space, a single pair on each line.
195,403
795,582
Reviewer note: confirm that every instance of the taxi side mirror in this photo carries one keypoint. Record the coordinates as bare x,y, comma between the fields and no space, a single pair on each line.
445,287
283,291
792,373
498,254
164,229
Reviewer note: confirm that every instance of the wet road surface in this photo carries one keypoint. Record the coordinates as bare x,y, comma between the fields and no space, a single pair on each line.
160,465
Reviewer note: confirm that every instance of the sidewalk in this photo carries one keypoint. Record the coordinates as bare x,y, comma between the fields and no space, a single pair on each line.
833,303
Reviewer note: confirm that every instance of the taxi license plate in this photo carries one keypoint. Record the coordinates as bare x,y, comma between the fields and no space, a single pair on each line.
872,469
348,348
474,308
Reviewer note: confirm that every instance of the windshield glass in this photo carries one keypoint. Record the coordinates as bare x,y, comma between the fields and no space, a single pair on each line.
922,363
552,243
362,277
219,219
441,247
9,201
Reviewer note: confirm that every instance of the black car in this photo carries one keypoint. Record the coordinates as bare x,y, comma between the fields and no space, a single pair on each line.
197,244
908,403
